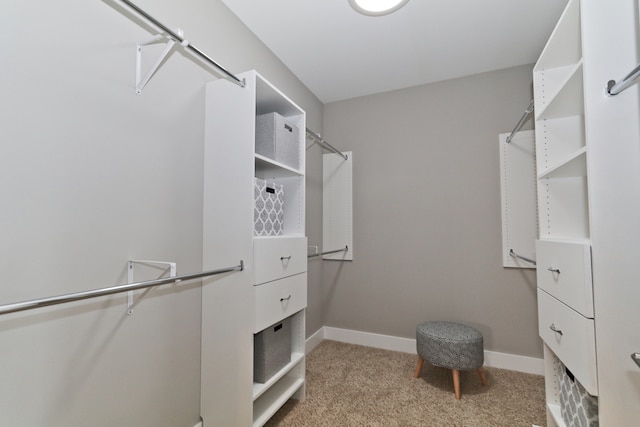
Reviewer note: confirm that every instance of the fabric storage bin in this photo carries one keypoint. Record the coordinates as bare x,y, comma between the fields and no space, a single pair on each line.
577,407
278,139
271,350
268,211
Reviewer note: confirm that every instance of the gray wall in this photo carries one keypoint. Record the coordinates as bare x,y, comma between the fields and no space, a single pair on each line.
92,175
427,224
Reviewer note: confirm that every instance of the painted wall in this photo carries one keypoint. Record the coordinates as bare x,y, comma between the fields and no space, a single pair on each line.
427,223
93,175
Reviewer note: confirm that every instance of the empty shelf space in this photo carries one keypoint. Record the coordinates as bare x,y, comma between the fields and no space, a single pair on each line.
267,168
561,92
273,399
573,166
565,44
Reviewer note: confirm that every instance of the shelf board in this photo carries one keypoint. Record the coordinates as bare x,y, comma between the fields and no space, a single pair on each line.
269,99
573,166
568,100
260,388
267,168
565,43
273,399
556,414
580,241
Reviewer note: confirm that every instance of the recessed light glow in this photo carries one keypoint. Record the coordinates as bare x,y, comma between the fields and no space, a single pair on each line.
377,7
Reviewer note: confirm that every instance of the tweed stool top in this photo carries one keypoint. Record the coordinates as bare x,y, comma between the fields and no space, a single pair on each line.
450,345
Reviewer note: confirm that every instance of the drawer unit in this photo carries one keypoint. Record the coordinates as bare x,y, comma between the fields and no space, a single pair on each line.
277,300
279,257
571,337
564,271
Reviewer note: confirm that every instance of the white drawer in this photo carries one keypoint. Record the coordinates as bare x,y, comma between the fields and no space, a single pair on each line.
277,300
564,271
278,257
573,340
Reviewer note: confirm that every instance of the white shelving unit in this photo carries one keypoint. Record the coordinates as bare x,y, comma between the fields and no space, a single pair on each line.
588,171
280,292
565,304
273,286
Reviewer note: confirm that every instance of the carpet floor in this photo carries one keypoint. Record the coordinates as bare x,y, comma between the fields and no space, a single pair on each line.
352,385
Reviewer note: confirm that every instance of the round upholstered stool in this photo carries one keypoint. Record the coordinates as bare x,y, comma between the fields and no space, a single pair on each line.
450,345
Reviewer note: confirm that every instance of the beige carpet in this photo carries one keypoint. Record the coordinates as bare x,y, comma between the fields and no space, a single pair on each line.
351,385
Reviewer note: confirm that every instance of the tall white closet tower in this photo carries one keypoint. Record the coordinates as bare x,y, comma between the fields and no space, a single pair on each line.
588,168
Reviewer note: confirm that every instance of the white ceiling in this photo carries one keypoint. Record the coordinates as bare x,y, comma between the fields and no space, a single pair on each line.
340,54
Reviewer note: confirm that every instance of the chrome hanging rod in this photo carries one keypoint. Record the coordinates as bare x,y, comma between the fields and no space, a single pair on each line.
526,113
345,249
324,143
614,88
515,255
61,299
185,43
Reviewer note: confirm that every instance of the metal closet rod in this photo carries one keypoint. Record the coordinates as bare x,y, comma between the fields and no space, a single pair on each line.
345,249
319,139
526,113
62,299
185,43
614,88
515,255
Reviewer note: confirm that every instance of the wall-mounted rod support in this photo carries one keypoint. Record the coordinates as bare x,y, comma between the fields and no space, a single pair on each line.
345,249
61,299
614,88
515,255
185,43
526,113
325,144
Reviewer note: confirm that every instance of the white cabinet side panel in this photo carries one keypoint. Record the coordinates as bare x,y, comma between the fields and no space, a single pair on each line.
611,51
337,205
519,200
226,375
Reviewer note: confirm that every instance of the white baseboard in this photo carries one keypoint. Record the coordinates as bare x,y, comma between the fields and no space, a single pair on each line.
513,362
313,341
198,425
385,342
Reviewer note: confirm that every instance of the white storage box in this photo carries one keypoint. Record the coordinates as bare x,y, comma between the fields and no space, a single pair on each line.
278,139
271,350
268,211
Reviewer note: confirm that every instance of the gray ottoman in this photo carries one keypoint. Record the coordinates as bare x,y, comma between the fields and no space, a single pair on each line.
450,345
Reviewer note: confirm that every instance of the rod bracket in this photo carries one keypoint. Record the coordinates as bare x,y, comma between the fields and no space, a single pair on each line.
170,268
141,81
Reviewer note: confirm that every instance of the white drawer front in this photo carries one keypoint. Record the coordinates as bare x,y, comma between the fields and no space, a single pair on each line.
573,340
279,257
277,300
564,271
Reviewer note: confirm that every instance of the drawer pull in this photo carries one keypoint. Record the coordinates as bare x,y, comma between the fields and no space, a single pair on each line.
636,358
282,258
285,299
554,270
554,329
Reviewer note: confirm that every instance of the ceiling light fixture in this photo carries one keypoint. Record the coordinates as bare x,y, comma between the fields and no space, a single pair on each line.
377,7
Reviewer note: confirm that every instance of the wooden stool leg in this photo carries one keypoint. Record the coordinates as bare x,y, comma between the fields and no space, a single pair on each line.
456,383
482,378
419,367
